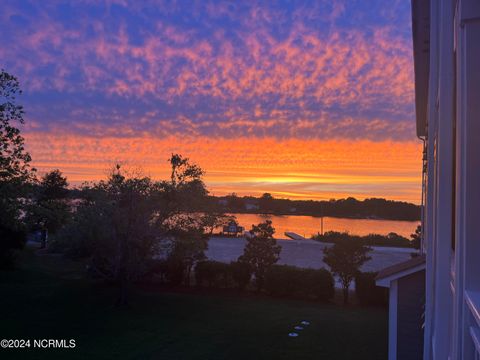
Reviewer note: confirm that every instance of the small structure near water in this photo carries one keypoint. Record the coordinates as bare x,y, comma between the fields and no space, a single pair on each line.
233,229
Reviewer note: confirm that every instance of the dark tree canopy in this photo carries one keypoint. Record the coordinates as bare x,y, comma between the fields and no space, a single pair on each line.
48,209
15,170
129,221
14,159
417,237
54,185
261,251
345,258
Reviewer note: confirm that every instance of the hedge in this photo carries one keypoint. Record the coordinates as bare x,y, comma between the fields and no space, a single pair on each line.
212,273
284,280
368,293
240,273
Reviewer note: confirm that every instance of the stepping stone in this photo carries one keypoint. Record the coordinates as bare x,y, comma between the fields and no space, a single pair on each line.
298,328
305,322
292,334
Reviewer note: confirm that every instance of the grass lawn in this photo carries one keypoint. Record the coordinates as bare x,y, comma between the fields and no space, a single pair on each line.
48,298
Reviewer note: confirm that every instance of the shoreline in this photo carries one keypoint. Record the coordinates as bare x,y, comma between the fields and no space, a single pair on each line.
319,216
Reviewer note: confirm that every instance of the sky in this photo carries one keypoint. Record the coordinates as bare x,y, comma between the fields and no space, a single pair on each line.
302,99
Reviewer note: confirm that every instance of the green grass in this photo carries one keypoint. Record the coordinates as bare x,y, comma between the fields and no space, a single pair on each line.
46,298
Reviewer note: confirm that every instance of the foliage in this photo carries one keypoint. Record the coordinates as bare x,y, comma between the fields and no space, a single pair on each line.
15,170
185,242
49,210
14,160
266,203
115,226
392,239
128,220
213,220
261,251
85,234
12,239
368,293
234,203
284,280
345,259
214,273
417,237
373,208
319,284
241,274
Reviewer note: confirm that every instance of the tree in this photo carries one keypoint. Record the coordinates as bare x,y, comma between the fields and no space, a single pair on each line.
127,207
14,160
54,186
49,210
261,251
128,220
213,220
15,170
345,259
187,242
266,203
417,237
235,203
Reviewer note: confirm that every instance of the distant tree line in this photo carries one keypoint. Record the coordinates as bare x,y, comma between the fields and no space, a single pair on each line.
373,208
392,239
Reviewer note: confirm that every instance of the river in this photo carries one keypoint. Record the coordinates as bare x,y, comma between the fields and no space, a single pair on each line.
309,225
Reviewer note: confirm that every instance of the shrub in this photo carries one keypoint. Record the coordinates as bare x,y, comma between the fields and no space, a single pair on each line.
318,284
368,293
167,271
11,240
284,280
214,273
240,273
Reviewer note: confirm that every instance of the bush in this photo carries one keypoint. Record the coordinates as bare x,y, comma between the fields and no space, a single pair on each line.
214,273
368,293
168,271
284,280
240,273
11,241
318,284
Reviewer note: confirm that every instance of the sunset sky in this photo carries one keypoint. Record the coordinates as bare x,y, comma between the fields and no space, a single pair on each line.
301,99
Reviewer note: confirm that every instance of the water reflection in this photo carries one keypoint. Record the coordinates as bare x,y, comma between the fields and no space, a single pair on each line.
308,225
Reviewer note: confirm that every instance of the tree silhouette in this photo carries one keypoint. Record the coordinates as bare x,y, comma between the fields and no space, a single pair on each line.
345,259
261,251
15,169
49,209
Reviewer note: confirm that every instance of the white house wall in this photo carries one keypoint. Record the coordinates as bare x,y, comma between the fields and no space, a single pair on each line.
454,96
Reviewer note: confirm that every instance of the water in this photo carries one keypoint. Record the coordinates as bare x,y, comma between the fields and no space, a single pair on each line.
309,225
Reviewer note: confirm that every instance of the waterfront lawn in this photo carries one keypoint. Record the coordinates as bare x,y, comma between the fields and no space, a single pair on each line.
47,297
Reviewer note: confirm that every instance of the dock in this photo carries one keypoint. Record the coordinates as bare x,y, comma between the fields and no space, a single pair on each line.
294,236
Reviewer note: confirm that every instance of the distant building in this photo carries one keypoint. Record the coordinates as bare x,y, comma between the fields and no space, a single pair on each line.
233,229
251,206
446,44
